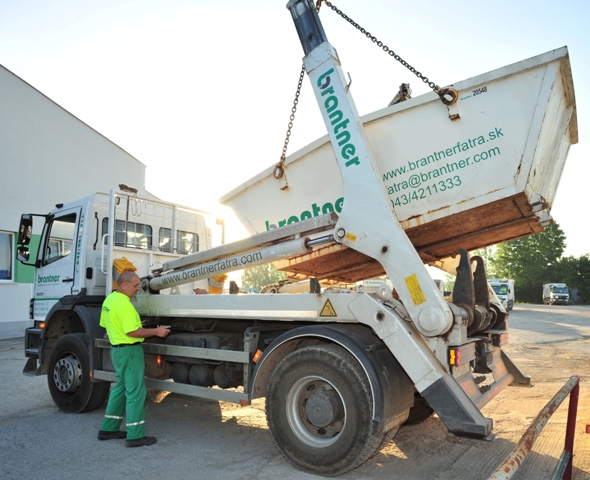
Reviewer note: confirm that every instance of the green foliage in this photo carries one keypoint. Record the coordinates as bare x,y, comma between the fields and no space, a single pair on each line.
575,272
531,261
258,277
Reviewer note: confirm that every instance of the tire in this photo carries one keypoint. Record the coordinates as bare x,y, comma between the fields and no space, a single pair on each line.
319,411
420,411
388,437
68,376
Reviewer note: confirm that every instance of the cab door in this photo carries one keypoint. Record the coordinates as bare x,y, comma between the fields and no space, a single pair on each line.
56,261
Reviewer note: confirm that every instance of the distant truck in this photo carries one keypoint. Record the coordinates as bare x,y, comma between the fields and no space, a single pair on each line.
504,290
556,294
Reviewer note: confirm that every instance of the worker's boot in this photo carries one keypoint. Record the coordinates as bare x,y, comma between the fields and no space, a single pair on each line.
141,442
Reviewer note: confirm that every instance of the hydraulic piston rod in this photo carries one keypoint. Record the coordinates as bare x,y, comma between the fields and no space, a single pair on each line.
231,263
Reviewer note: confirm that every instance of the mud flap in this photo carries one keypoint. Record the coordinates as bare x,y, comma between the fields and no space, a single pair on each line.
31,367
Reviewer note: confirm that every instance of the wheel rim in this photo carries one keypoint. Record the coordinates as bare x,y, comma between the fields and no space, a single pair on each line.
315,411
67,374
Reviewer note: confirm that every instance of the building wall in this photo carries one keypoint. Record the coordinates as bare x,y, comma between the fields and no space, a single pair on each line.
47,156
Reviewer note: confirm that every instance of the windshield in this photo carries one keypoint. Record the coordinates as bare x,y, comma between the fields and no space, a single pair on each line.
500,289
559,289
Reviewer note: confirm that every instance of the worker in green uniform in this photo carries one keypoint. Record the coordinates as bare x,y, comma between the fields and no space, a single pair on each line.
128,394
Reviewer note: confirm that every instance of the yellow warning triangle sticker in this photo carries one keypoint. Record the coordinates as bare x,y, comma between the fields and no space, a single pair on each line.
328,310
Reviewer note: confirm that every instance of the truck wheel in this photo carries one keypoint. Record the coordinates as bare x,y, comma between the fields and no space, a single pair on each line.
68,376
420,411
319,411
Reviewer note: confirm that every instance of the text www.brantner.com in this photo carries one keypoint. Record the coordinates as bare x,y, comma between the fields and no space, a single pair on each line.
438,156
213,268
436,181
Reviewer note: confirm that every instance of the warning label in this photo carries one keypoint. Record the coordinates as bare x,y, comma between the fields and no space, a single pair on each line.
415,290
328,310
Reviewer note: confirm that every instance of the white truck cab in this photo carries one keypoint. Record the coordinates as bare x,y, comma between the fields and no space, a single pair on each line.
82,244
556,294
504,290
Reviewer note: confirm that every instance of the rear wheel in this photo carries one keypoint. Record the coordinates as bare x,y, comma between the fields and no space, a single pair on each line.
319,410
420,411
68,376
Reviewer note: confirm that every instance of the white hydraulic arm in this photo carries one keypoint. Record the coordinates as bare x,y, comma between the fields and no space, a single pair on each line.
367,223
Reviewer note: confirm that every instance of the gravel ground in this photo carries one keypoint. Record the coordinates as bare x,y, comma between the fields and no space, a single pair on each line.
209,439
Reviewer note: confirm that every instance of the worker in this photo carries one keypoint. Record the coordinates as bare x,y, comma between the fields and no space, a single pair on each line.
128,394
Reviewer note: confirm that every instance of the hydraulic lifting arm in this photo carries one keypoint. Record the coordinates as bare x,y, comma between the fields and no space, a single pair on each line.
369,225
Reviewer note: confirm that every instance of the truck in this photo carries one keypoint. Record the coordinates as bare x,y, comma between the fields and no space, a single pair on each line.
504,290
556,294
341,372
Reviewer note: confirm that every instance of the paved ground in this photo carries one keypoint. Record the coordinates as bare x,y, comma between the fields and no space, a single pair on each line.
207,439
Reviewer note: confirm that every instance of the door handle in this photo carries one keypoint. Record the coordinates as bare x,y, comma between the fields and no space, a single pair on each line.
67,280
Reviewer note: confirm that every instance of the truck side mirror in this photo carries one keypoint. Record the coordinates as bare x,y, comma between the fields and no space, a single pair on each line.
25,230
23,254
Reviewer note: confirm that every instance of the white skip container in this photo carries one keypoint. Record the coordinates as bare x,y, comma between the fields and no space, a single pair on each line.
482,171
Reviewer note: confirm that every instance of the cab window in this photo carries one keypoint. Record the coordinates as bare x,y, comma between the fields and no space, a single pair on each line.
186,242
60,238
130,234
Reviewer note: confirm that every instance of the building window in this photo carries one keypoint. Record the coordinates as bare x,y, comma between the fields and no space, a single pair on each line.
6,257
186,242
136,235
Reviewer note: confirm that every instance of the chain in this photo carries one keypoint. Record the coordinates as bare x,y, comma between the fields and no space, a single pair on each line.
447,95
279,170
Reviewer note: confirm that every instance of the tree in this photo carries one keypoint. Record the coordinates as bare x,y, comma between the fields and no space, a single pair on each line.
584,278
261,275
575,272
530,261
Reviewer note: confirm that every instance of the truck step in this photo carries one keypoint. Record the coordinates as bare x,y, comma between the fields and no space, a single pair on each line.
184,389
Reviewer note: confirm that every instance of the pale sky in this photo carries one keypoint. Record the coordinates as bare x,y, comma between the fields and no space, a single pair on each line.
201,91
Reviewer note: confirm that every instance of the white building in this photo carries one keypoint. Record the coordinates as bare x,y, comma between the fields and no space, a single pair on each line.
47,156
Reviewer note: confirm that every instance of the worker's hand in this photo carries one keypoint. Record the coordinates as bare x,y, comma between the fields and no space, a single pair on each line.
163,331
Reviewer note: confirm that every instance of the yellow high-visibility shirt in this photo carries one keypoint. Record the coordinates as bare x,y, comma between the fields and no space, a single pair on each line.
119,317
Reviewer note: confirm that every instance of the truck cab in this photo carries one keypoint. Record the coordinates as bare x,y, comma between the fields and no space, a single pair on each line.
83,248
504,290
556,294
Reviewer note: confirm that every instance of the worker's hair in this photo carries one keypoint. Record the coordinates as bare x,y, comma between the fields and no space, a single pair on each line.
126,277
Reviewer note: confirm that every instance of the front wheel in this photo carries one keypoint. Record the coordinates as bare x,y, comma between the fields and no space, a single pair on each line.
319,411
68,376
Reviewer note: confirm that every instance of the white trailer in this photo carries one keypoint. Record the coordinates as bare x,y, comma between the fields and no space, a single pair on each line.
341,372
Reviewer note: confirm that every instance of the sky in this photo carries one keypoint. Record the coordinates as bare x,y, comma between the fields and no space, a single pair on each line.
200,91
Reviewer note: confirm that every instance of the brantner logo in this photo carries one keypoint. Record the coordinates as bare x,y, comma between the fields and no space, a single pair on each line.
337,120
48,279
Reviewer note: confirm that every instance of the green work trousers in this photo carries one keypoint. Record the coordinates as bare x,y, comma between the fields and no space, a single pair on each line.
128,394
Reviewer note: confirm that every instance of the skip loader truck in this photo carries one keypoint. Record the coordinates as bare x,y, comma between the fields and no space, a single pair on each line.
341,372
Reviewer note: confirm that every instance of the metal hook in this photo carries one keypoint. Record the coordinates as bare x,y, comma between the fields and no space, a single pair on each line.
448,96
279,170
349,82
